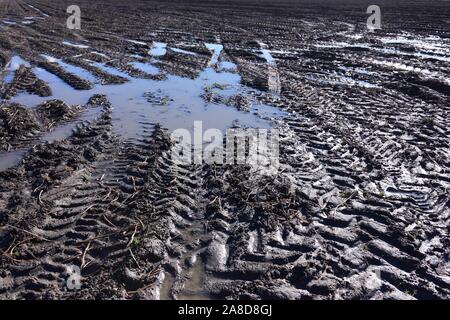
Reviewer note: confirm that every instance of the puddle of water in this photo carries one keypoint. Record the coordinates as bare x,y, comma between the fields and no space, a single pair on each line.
13,158
72,69
164,293
108,69
228,65
59,88
193,289
9,78
16,62
146,67
66,130
12,67
216,49
133,113
265,53
158,49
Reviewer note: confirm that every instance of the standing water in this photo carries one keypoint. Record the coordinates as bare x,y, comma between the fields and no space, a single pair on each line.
179,105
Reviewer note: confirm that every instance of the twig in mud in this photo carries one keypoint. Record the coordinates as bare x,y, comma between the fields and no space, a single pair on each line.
36,189
69,186
143,288
220,201
83,263
109,193
40,199
13,116
115,199
215,199
4,253
124,201
89,208
107,220
12,244
152,273
11,249
88,263
341,204
105,235
132,237
434,161
134,258
140,221
134,184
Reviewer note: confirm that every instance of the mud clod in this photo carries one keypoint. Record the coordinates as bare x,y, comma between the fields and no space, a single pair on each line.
53,112
356,208
16,122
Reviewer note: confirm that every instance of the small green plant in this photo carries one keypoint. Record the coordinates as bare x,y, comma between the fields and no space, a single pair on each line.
136,242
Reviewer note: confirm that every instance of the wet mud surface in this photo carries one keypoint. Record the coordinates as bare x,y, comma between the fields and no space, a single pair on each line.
358,210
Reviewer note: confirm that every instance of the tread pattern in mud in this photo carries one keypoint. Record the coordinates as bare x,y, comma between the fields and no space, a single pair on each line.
26,80
71,79
358,210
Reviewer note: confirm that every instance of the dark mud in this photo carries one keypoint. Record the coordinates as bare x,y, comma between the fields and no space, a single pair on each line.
26,80
16,123
54,112
358,210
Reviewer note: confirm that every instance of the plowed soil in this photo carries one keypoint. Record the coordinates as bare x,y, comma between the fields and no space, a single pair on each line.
358,210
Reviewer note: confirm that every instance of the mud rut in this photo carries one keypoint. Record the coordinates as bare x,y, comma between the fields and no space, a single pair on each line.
359,210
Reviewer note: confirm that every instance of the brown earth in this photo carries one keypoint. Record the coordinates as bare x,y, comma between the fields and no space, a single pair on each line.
358,210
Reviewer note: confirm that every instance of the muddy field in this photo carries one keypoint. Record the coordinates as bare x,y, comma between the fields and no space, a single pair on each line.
358,210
